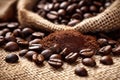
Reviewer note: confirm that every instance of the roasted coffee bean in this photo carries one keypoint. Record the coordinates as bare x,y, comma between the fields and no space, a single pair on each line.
29,38
64,52
77,16
47,53
11,46
56,63
29,54
4,31
102,42
27,31
11,58
112,43
81,71
84,53
23,52
87,15
55,48
48,7
55,56
61,12
10,37
35,47
116,50
38,35
84,9
73,22
22,43
38,58
89,62
17,33
52,15
93,8
12,25
3,25
105,50
72,57
107,60
71,7
2,40
64,5
56,6
35,41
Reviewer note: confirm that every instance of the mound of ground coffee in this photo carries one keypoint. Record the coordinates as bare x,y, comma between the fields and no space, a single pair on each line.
72,40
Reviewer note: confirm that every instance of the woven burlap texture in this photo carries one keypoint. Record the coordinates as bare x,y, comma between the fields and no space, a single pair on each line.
105,21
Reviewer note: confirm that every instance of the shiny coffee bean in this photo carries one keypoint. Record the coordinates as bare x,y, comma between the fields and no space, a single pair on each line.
27,31
38,58
47,53
61,12
52,15
89,62
102,42
11,58
12,25
105,50
2,40
55,56
56,63
84,53
116,50
55,48
10,37
73,22
3,25
11,46
38,35
87,15
29,54
23,52
35,47
4,31
35,41
106,60
72,57
22,43
17,33
64,53
81,71
64,5
112,42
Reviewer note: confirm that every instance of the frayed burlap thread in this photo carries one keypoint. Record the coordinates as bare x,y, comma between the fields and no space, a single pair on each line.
104,22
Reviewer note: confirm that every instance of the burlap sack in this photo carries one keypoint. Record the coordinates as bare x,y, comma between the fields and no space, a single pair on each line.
7,10
106,21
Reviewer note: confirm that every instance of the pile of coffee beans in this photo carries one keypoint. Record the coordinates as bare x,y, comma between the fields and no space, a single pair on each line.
70,12
13,37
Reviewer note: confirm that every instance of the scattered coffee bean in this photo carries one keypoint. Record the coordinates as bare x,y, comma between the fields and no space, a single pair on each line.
102,42
89,62
35,41
87,53
38,35
38,58
12,25
9,37
27,31
107,60
64,53
55,48
2,40
72,57
55,56
11,58
56,63
47,53
81,71
35,47
112,43
29,54
3,25
105,50
11,46
116,50
23,52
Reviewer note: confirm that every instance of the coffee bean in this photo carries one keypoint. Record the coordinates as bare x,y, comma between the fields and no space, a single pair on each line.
93,8
56,6
64,53
112,42
27,31
23,52
64,5
11,58
87,53
10,37
38,35
116,50
61,12
55,56
13,25
29,54
55,48
76,16
56,63
89,62
17,33
71,7
72,57
47,53
52,15
107,60
22,43
102,42
73,22
87,15
84,9
11,46
2,40
105,50
3,25
97,3
38,58
81,71
35,41
4,31
35,47
48,7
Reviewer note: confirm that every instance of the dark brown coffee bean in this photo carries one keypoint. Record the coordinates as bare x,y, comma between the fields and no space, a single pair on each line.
64,22
29,38
17,33
23,52
84,9
35,47
2,40
29,54
13,25
89,62
4,31
3,25
107,60
10,37
72,57
64,52
35,41
56,6
97,3
107,4
56,63
47,53
101,9
38,58
55,56
71,7
112,42
102,42
87,53
64,5
38,35
27,31
73,22
87,15
52,15
61,12
11,58
116,50
48,7
76,16
81,71
93,8
11,46
22,43
105,50
55,48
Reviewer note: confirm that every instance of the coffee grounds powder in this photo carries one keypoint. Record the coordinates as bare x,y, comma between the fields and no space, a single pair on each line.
74,41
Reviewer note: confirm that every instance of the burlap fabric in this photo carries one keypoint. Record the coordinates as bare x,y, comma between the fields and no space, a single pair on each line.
26,70
106,21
